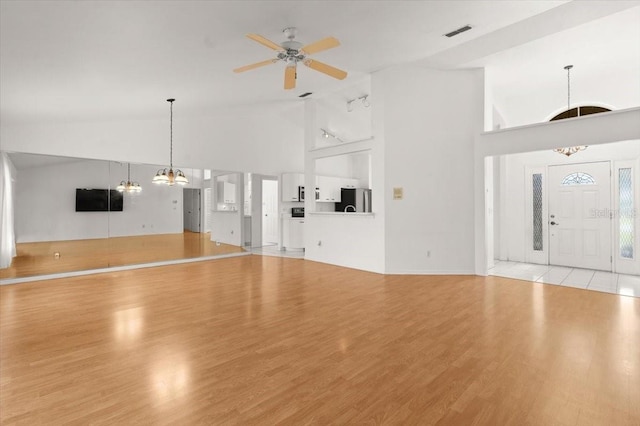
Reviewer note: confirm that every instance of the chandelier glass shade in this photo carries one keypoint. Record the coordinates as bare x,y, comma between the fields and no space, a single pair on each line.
128,185
570,150
169,176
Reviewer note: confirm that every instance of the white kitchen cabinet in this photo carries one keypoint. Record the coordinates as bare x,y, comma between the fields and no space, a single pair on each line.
290,184
329,188
349,183
293,234
226,192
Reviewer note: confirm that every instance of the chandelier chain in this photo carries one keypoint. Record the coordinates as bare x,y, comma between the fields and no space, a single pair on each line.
568,91
171,137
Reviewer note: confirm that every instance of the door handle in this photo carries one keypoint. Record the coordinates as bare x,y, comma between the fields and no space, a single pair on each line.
553,223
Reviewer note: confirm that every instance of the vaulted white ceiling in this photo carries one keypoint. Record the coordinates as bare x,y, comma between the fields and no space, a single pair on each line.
101,60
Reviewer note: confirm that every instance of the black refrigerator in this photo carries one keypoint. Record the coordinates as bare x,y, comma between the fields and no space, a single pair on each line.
354,200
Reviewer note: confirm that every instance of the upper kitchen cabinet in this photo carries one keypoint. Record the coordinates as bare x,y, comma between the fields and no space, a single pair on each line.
225,187
328,188
291,184
227,192
348,171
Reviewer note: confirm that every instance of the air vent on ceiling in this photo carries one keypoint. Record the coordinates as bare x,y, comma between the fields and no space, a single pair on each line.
304,95
458,31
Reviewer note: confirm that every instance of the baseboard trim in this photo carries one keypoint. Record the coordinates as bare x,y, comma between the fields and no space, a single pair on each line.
431,272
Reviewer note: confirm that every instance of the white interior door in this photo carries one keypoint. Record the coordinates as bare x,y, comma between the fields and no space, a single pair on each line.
207,210
269,212
579,215
191,209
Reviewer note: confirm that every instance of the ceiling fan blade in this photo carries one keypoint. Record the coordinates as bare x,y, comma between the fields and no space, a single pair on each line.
320,45
326,69
290,77
264,41
256,65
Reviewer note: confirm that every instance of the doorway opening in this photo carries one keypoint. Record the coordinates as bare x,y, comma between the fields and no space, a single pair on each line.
577,212
191,210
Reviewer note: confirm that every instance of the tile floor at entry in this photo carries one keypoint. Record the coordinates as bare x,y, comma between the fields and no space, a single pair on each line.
273,250
608,282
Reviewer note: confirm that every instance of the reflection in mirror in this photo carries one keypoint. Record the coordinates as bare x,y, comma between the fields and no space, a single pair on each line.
50,235
69,216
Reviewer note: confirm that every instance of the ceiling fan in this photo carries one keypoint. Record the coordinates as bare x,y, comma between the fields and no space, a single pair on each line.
292,52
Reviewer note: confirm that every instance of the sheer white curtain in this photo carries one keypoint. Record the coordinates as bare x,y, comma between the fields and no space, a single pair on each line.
7,228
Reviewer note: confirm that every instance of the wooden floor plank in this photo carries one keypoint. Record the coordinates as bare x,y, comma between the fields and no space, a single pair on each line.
262,340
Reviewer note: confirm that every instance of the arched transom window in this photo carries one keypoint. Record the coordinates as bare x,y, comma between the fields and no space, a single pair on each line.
578,178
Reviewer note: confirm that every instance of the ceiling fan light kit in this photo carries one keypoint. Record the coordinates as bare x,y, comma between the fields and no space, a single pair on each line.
292,52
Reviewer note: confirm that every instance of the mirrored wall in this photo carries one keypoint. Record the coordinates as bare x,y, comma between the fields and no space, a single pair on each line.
73,214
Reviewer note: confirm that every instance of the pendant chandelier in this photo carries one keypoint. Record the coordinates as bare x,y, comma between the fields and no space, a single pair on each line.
129,186
570,150
169,176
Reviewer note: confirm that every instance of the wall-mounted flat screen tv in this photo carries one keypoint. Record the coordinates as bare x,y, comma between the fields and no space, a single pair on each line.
98,200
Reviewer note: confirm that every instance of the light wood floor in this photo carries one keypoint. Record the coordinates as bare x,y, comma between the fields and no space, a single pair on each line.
81,255
261,340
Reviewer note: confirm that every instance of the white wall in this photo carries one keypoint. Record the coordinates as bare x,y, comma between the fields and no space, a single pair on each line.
45,203
430,118
227,225
530,85
265,140
345,239
46,199
157,209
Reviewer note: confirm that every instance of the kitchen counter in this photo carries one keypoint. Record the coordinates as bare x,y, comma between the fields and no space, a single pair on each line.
358,214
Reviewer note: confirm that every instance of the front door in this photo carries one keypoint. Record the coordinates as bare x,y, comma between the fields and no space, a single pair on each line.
579,215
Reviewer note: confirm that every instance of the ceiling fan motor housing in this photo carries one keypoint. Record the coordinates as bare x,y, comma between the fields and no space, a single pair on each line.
292,51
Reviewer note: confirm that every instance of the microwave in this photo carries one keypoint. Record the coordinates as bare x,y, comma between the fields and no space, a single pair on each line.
297,211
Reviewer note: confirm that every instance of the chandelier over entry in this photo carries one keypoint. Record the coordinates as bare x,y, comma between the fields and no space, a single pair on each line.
570,150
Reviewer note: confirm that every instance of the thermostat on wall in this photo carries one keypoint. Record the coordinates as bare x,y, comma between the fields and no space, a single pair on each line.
398,193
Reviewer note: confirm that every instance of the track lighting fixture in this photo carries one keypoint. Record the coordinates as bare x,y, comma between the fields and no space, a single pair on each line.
364,99
327,135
